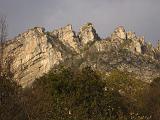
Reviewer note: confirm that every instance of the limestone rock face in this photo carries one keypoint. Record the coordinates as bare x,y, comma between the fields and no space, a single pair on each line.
32,56
119,33
87,34
127,40
141,40
158,45
157,51
67,36
131,35
35,52
135,46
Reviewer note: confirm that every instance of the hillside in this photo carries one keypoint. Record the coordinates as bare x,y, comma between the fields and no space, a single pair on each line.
36,52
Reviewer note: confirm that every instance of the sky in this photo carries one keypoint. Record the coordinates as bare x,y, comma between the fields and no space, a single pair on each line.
140,16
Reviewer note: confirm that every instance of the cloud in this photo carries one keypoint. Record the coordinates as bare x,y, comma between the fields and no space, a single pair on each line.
141,16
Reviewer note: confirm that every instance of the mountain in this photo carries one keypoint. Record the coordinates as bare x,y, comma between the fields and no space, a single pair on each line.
35,52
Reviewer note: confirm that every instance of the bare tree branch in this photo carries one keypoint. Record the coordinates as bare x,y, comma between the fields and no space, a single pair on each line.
3,37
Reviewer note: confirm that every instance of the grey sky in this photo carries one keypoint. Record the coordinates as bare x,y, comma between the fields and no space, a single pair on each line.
141,16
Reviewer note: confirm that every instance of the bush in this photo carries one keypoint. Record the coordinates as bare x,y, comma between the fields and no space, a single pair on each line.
73,94
153,99
11,107
132,90
86,94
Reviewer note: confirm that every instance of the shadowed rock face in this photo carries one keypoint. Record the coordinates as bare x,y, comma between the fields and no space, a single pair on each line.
67,36
35,52
119,33
87,34
131,35
158,45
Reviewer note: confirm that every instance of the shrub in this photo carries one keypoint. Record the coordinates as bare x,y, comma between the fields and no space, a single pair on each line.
11,107
132,91
153,99
73,94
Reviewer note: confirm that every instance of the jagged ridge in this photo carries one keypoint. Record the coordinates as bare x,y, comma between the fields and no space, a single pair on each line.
35,52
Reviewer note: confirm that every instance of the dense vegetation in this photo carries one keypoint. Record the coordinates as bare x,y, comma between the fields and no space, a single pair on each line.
11,107
74,94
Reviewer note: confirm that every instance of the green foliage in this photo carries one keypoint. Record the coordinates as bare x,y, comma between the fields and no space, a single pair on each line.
153,99
11,107
81,94
132,91
77,94
125,82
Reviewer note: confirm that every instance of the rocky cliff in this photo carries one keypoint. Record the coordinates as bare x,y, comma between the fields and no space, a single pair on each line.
34,52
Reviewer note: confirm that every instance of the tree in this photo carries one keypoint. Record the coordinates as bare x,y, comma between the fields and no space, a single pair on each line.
3,38
11,107
132,90
72,94
153,99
